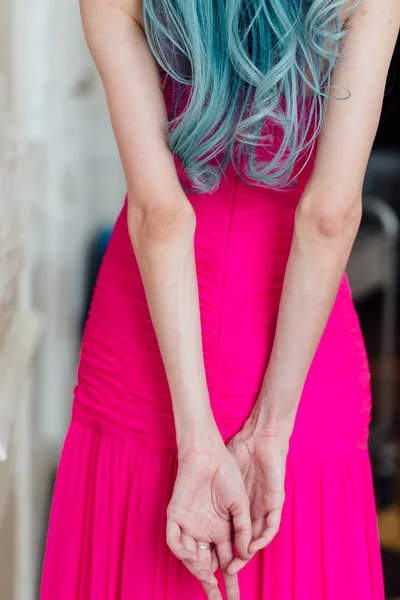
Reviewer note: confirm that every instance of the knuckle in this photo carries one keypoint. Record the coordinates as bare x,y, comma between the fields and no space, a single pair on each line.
242,529
171,544
205,577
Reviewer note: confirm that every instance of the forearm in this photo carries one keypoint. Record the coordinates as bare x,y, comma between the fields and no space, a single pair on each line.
164,248
161,220
319,253
329,212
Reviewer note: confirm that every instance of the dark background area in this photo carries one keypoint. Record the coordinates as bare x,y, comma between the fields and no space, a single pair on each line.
389,128
385,182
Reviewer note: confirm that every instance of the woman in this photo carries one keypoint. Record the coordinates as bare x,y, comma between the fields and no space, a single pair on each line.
219,428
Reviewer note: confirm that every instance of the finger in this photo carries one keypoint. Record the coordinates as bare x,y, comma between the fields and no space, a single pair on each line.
204,562
258,526
204,575
273,521
175,543
189,543
242,529
236,565
204,554
264,530
201,567
225,556
213,592
214,560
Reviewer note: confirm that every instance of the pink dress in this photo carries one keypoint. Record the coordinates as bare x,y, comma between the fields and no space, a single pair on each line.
106,536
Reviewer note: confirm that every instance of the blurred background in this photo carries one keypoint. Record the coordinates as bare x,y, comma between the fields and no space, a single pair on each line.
61,188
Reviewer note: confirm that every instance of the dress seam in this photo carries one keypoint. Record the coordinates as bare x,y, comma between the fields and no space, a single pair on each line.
222,293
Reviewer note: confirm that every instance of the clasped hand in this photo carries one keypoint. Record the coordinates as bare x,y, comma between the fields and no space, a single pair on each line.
229,498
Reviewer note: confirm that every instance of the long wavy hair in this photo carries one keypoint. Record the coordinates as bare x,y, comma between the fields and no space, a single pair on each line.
239,64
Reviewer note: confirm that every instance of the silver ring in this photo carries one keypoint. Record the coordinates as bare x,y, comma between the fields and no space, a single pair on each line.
203,546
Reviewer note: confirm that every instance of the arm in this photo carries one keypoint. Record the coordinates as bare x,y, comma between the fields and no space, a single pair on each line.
326,223
161,224
328,215
161,220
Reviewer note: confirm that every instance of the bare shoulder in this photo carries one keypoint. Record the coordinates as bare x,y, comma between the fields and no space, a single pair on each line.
355,11
373,27
350,126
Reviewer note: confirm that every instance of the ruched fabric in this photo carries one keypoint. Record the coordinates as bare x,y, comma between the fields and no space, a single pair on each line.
106,537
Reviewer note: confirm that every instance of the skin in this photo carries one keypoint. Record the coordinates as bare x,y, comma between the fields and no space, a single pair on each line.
236,489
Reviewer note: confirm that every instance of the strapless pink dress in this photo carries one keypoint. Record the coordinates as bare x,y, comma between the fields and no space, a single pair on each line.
106,536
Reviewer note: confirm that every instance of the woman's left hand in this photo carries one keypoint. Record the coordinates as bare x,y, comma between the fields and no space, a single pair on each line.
261,453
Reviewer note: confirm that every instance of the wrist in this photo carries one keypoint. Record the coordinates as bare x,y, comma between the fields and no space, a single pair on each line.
272,416
267,426
197,434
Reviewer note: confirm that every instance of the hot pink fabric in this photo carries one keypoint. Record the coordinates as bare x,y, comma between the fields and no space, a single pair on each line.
106,537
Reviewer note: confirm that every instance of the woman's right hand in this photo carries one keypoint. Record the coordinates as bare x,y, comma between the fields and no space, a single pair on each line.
209,505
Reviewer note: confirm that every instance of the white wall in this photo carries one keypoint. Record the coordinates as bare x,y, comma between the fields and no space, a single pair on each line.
72,183
79,186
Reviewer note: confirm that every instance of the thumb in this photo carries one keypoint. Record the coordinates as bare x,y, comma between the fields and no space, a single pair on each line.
271,529
242,528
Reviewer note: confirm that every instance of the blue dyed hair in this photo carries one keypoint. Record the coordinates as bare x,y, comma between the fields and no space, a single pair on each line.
238,59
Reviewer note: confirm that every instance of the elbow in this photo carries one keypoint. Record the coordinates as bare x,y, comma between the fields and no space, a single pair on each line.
328,221
160,223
